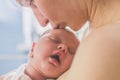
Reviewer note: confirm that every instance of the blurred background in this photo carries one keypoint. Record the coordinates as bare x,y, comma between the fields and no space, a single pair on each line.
18,29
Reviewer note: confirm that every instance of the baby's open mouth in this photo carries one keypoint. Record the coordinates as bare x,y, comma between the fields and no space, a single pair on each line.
56,57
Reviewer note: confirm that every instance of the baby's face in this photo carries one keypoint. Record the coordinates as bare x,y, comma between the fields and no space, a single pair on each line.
54,52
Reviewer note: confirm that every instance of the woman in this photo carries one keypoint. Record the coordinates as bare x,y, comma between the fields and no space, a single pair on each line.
98,56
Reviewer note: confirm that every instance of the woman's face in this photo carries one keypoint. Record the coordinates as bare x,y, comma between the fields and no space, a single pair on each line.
60,13
57,12
54,52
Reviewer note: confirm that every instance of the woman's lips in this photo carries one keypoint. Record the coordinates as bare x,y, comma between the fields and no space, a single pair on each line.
60,26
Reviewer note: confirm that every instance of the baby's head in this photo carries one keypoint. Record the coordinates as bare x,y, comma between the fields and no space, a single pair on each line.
53,53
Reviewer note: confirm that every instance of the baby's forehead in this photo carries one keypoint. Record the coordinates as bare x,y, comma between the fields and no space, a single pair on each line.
59,34
50,32
47,31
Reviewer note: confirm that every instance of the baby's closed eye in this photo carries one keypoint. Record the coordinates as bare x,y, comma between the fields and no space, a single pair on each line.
54,39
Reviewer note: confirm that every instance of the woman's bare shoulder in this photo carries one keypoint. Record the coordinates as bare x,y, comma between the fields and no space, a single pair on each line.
98,56
108,36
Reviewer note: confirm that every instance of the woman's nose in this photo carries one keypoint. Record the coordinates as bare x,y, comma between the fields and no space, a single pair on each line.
62,47
25,3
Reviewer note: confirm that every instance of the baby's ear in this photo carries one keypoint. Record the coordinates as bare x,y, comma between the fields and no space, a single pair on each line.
32,49
33,45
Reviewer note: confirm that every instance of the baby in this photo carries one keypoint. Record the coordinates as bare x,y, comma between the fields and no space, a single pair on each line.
50,56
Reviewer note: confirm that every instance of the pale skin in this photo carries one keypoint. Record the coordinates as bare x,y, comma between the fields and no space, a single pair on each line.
51,55
98,54
42,65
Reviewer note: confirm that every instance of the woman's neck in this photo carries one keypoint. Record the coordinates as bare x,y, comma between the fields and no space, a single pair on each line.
103,13
33,73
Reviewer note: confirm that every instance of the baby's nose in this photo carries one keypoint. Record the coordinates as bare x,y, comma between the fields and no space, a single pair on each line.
62,47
